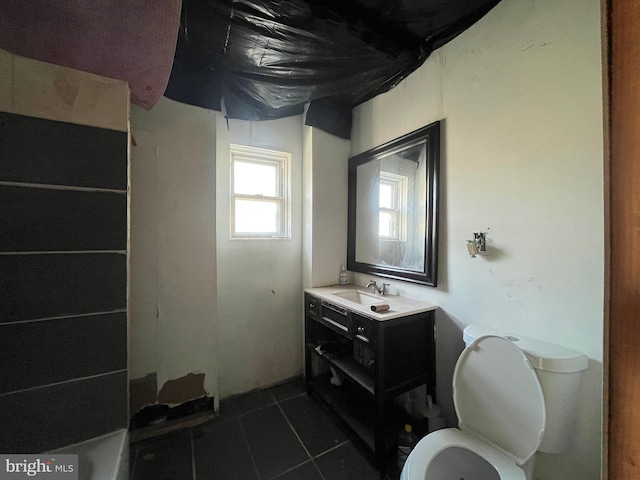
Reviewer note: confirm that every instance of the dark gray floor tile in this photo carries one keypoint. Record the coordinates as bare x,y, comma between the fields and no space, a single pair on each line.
273,445
221,452
391,469
153,442
288,390
306,471
250,402
164,458
226,411
346,463
133,449
316,427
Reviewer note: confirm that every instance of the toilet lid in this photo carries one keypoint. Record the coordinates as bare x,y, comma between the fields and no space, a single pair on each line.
498,397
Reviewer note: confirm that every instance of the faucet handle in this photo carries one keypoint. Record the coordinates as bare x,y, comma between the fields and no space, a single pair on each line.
384,288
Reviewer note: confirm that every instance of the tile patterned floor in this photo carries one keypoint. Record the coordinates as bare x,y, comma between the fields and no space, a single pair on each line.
279,433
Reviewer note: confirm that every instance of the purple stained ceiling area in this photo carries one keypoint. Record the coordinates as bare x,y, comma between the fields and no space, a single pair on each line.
131,40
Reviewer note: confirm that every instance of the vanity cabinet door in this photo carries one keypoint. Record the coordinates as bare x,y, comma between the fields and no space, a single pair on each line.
409,352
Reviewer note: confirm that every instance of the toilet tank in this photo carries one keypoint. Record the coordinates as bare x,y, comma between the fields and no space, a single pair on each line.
559,371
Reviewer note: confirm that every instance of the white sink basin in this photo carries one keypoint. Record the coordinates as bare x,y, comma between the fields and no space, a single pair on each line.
356,296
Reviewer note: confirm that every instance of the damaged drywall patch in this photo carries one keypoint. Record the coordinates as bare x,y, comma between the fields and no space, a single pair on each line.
143,391
180,400
157,419
182,389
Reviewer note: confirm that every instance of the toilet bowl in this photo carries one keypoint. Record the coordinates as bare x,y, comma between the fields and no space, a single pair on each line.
450,454
506,389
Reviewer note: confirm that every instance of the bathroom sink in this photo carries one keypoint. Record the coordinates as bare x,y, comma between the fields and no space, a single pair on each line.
356,296
357,299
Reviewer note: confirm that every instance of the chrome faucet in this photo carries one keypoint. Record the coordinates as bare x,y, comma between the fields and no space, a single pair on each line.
376,289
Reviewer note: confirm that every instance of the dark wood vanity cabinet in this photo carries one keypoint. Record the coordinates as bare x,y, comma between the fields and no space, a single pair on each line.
378,360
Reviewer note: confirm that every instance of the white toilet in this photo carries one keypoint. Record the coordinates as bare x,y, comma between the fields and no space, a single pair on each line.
513,396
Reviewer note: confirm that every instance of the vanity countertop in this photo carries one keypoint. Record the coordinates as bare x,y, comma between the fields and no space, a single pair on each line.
344,295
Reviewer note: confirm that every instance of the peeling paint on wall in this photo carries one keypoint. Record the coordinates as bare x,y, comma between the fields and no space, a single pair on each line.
182,389
143,391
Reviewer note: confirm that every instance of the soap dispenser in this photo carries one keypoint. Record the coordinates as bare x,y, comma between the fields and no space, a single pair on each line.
343,277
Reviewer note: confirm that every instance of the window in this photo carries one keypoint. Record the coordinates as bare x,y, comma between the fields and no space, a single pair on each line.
393,207
260,206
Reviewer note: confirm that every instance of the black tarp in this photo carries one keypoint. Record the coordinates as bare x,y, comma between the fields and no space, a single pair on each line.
268,59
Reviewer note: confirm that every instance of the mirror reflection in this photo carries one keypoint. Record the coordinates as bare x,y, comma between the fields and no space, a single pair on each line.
390,216
392,208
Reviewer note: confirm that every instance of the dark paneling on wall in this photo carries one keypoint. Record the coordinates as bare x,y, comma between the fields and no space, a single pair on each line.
63,283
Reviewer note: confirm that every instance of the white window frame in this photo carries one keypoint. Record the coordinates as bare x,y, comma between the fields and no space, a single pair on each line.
282,160
398,209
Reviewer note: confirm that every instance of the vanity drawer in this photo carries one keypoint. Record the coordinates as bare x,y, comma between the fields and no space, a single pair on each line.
312,306
337,316
364,329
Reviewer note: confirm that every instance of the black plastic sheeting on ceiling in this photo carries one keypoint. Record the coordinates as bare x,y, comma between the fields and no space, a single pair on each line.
267,59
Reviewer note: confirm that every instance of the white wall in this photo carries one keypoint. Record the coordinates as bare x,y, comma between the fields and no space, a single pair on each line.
143,332
325,212
189,290
173,243
520,96
259,281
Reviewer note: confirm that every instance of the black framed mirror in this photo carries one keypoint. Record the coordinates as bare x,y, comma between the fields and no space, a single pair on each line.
393,208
